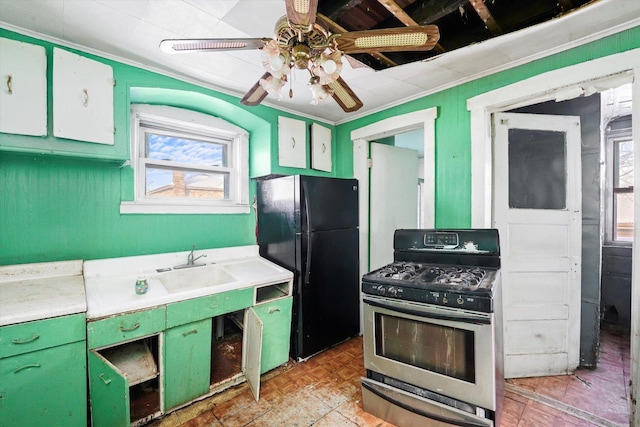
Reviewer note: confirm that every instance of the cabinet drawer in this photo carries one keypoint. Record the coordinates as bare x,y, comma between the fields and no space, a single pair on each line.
125,327
208,306
31,336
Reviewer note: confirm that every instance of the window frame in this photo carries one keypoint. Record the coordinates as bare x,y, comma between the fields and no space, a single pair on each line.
613,139
187,124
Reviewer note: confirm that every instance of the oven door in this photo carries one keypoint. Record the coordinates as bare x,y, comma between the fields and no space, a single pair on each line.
443,350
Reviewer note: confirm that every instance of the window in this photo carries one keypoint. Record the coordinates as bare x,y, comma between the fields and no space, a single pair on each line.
620,181
187,162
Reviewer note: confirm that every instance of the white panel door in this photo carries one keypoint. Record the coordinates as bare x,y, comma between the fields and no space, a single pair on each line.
537,211
393,198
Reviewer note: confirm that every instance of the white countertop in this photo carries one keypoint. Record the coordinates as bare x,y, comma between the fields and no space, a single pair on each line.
40,291
110,283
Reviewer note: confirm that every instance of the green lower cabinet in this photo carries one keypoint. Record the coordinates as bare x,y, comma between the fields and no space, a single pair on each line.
276,318
109,393
187,362
45,387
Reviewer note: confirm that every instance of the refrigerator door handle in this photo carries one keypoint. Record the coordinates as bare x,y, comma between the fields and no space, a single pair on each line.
307,271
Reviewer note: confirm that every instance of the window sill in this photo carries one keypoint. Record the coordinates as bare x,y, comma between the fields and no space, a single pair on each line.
156,208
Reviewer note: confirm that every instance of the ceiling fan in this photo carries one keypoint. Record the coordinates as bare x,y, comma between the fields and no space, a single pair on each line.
303,43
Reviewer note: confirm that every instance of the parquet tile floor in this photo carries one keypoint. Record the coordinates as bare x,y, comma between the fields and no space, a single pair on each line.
324,391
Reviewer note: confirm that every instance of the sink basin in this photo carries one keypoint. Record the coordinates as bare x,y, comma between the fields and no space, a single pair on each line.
187,279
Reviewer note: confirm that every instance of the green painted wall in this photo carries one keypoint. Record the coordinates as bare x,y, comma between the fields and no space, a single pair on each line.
65,205
453,137
60,199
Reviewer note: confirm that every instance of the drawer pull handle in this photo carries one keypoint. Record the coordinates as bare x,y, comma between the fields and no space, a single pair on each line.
273,310
133,328
193,331
215,305
104,380
27,341
33,365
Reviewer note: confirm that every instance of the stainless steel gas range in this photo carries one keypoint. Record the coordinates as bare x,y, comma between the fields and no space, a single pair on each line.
433,330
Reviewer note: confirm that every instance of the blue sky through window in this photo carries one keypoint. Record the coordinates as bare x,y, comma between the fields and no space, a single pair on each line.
182,150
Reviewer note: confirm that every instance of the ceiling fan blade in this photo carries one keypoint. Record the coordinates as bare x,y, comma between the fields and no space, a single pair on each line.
344,96
210,45
302,12
420,37
257,93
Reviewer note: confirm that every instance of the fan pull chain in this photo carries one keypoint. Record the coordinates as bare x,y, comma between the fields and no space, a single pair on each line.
291,87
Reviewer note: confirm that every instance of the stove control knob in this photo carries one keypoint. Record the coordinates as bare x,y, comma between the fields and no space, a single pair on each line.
393,291
460,300
381,290
445,300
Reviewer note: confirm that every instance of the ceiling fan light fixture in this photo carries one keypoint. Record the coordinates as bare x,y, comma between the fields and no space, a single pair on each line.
319,93
273,85
328,66
275,60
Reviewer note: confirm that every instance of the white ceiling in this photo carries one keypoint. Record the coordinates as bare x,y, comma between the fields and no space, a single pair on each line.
130,31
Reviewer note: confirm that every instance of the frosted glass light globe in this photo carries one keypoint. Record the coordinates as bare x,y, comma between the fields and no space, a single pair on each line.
329,66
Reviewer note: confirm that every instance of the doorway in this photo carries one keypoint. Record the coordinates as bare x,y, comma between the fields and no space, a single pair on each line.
422,120
569,83
537,211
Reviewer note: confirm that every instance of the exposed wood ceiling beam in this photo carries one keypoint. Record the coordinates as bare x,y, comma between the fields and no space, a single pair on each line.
404,17
427,12
334,27
486,16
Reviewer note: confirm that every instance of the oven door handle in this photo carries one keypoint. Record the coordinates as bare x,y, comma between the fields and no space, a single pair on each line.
464,318
419,411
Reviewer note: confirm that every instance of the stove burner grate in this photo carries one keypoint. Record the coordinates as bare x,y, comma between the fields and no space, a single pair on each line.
399,271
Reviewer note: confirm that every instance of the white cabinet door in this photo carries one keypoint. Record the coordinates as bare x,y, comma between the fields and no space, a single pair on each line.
292,143
320,147
23,88
252,350
82,98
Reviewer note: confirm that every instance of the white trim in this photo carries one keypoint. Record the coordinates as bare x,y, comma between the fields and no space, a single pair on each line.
589,76
424,119
598,74
166,208
178,119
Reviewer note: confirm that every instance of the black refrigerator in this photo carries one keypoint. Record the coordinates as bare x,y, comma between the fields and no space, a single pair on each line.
309,225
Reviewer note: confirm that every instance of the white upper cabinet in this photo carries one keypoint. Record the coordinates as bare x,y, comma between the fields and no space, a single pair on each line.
82,98
292,143
320,147
23,88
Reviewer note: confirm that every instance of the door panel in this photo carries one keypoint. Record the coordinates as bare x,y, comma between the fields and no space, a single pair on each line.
393,198
109,390
537,208
252,353
329,292
187,357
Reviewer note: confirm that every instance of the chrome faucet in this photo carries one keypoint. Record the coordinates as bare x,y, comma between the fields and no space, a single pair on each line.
190,259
